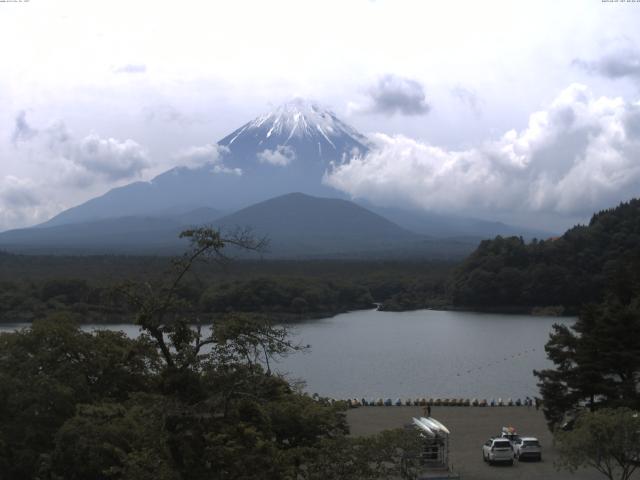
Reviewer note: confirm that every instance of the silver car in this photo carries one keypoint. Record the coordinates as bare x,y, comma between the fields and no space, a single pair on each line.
528,447
497,450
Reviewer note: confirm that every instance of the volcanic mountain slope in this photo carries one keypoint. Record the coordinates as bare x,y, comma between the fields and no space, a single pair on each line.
288,149
129,234
301,225
297,225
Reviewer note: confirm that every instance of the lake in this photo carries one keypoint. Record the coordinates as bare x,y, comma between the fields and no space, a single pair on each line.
424,353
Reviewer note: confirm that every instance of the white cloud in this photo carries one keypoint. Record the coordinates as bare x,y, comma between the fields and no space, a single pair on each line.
281,156
469,98
622,59
110,158
81,161
131,68
392,95
197,156
580,154
210,154
22,203
168,113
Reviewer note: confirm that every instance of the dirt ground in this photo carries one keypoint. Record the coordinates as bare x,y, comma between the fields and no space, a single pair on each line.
470,427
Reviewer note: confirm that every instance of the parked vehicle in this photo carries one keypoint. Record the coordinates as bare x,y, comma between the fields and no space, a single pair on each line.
497,450
510,434
528,447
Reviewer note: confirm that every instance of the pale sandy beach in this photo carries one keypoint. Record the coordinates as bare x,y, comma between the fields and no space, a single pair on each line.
470,428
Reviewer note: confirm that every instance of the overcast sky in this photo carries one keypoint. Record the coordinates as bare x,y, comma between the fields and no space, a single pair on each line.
523,111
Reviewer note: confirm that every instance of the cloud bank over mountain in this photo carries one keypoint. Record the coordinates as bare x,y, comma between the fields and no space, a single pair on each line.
80,162
280,156
197,156
137,103
580,154
20,200
83,160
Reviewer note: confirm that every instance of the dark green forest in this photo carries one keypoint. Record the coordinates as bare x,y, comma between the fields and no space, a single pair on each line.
555,276
567,272
87,288
174,402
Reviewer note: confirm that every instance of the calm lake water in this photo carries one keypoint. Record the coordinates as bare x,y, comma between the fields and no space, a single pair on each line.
424,353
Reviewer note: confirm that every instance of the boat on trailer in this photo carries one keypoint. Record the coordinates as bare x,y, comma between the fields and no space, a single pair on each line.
432,461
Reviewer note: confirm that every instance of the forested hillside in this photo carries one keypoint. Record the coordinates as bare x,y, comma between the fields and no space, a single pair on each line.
577,268
86,288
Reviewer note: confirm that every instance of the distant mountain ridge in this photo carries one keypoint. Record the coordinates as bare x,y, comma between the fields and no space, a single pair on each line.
439,225
130,234
297,226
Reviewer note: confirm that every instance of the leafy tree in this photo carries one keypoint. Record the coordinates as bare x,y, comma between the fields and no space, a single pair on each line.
115,441
597,361
47,370
607,440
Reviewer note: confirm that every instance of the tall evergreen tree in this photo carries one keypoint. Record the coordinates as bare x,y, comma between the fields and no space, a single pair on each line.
597,361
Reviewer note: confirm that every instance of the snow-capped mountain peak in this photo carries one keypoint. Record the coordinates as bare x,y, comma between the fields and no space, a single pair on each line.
303,118
312,132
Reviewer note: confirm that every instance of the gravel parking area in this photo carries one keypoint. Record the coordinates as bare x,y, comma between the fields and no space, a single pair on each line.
470,427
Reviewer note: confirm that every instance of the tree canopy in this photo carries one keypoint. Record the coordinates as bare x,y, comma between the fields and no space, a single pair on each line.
192,397
569,271
597,361
607,440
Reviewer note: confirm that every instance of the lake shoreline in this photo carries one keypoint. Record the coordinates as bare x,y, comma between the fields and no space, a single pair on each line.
432,354
533,311
293,319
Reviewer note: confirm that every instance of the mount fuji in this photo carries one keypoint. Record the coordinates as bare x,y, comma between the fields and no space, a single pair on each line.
286,150
262,163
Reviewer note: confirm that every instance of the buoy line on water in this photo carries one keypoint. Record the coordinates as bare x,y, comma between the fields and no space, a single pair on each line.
435,402
496,362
